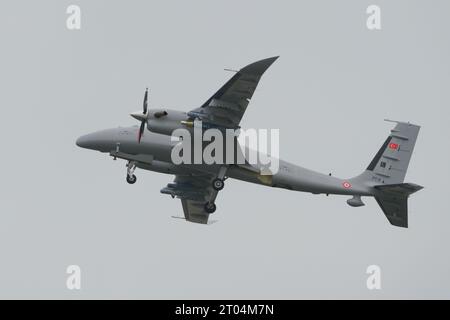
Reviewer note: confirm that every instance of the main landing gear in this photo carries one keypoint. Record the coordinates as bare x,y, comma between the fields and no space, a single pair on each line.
210,207
217,185
131,178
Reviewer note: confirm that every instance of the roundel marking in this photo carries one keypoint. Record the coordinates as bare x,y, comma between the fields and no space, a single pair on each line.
346,185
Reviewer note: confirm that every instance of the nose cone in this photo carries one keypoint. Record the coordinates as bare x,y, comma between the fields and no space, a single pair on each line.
83,141
103,141
138,115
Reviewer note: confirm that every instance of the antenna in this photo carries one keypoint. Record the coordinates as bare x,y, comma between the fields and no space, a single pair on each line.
395,121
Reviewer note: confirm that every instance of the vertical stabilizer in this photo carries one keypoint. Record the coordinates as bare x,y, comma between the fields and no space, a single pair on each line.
391,162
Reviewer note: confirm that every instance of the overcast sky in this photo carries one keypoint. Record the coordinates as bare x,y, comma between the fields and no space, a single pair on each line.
328,94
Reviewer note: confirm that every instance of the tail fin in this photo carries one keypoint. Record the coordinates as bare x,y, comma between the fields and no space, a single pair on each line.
393,200
391,162
387,172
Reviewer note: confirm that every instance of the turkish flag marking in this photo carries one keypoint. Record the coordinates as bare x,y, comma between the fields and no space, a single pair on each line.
346,185
393,146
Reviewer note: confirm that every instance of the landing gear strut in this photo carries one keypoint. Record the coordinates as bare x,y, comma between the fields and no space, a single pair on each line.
131,178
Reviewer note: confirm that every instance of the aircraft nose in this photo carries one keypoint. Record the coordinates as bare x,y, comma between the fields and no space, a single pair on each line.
83,142
102,141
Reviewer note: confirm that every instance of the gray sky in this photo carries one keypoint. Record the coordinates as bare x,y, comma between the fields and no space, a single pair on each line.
328,94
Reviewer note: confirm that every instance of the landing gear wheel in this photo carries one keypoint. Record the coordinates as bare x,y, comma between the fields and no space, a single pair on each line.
131,179
210,207
218,184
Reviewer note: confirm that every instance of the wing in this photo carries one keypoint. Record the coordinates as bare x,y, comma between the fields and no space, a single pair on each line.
194,192
227,106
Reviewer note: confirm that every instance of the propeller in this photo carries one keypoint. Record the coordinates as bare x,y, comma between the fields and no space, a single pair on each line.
142,116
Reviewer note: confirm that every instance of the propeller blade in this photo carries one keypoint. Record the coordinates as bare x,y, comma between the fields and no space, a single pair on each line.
141,131
145,101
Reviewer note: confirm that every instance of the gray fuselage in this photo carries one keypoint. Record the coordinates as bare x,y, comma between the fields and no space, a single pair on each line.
154,153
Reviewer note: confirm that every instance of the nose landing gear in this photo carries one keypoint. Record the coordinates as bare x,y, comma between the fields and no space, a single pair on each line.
131,178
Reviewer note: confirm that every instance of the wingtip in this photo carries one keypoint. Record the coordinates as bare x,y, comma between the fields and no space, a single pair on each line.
272,59
260,66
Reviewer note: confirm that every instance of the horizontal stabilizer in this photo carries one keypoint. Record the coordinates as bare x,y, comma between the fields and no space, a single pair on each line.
393,200
400,188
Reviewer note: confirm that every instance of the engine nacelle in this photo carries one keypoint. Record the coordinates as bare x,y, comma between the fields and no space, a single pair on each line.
165,121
